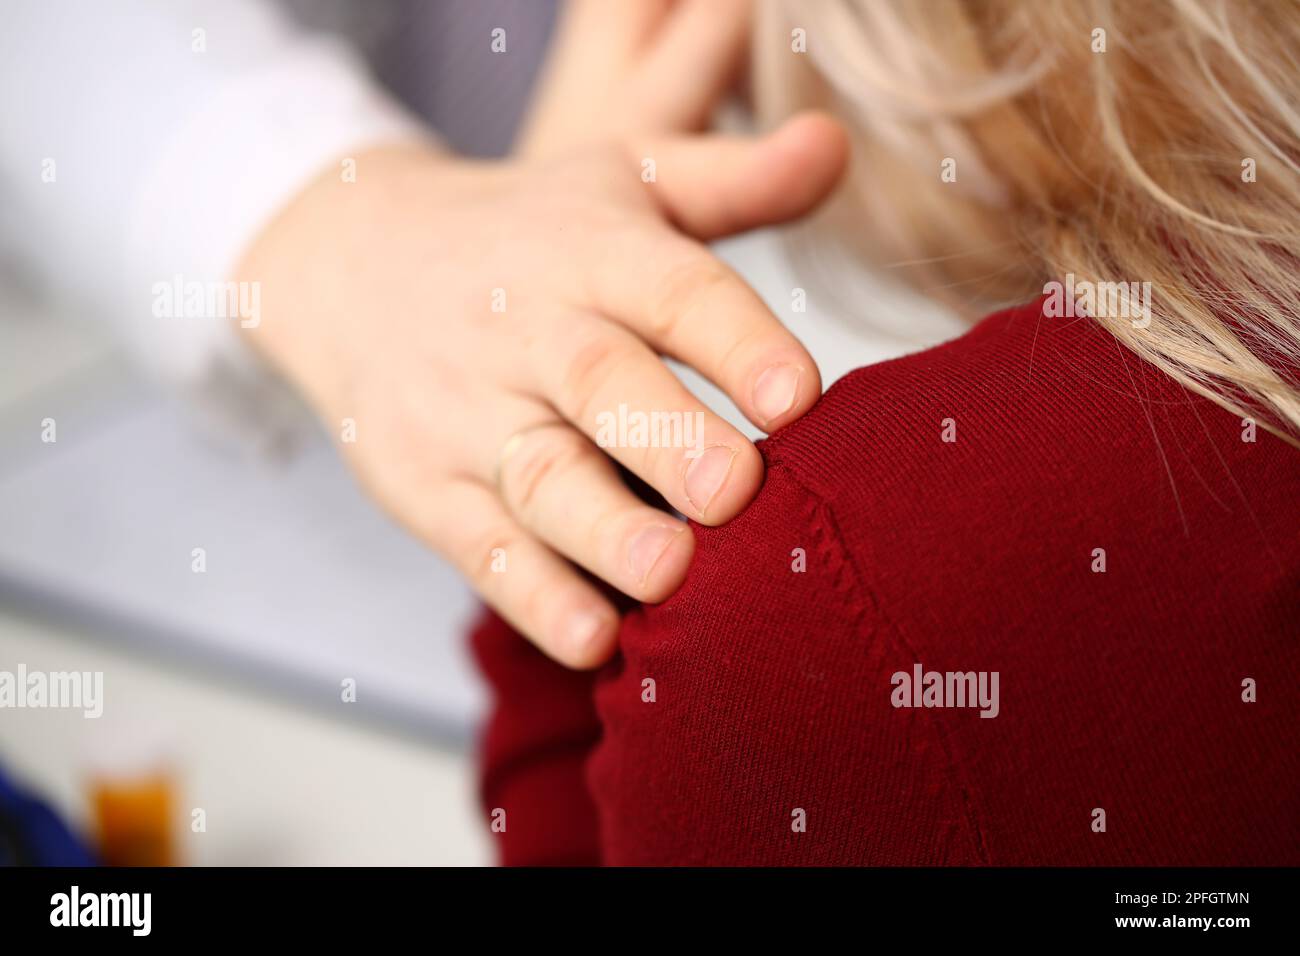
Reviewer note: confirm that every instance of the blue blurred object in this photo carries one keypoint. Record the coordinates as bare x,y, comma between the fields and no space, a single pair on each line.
31,834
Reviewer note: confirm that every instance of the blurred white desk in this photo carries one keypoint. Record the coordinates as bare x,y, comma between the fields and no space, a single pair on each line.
84,527
306,583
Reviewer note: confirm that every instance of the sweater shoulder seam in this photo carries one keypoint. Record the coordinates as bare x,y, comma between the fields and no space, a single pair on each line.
862,600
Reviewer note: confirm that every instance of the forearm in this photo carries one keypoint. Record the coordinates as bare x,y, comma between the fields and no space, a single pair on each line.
147,141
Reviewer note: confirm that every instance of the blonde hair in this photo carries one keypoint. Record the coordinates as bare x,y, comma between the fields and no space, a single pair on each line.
1144,141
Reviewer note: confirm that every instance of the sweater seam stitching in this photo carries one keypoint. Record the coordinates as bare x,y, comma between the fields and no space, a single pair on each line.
842,555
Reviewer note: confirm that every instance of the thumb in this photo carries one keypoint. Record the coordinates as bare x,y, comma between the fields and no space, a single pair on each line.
713,186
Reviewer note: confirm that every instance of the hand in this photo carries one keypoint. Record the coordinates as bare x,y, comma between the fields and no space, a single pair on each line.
479,321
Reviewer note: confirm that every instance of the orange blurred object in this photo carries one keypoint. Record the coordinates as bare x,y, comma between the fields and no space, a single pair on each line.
133,817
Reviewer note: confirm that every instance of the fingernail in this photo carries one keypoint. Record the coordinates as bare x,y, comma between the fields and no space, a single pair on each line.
706,475
584,627
648,547
775,391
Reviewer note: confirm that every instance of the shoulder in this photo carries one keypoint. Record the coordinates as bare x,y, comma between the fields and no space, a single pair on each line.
1017,387
1025,423
741,723
1025,501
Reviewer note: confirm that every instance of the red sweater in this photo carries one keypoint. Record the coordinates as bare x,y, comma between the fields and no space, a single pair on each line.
776,733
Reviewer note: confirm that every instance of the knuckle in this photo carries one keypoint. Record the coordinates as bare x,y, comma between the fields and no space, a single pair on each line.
685,289
533,604
593,366
660,465
606,531
545,455
734,359
485,553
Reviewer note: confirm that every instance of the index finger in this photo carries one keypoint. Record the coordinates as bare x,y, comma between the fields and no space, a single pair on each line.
685,303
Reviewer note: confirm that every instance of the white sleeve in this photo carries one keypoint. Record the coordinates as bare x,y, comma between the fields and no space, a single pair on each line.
141,141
